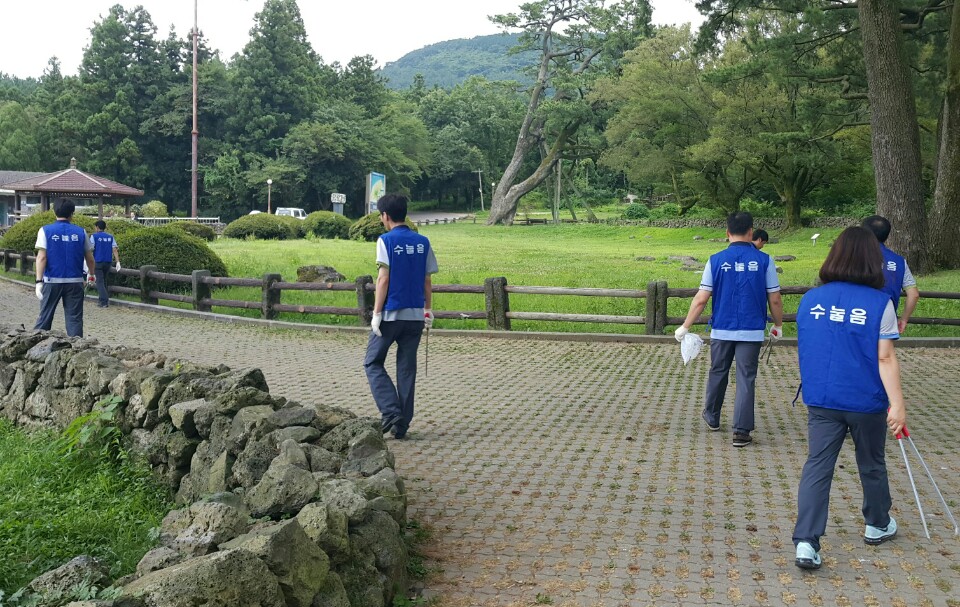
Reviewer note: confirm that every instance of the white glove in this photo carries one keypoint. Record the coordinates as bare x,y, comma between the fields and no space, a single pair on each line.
776,332
39,290
375,324
117,267
680,332
428,319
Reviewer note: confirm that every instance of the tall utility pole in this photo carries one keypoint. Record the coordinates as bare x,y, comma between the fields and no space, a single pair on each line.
195,133
480,179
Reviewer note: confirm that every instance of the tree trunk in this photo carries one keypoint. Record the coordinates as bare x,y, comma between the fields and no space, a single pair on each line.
895,134
945,216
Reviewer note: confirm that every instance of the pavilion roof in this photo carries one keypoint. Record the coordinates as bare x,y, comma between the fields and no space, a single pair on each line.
72,181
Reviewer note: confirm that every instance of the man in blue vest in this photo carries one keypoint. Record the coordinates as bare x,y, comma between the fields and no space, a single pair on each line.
62,248
401,312
899,278
743,282
104,255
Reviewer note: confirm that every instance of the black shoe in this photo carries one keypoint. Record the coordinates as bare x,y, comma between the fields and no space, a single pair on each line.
707,421
741,440
388,423
399,435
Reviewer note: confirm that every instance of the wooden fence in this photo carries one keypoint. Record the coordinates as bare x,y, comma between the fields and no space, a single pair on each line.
495,291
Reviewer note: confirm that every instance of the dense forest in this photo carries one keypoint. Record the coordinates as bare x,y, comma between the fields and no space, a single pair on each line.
777,107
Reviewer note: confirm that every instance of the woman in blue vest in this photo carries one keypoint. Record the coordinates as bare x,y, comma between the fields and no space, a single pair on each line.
851,381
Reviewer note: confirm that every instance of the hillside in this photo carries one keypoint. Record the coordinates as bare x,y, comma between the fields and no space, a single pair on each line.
449,63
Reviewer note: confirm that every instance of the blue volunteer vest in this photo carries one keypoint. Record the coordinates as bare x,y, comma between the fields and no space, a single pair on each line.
65,250
838,328
893,269
739,288
408,268
102,247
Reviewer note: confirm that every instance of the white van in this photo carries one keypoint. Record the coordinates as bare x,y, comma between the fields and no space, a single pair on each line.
292,212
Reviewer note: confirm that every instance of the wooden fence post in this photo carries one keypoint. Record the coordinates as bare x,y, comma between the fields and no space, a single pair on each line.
364,300
271,296
146,285
498,303
25,266
8,261
201,290
661,307
650,318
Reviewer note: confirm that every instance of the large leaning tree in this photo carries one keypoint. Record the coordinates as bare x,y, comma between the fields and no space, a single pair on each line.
576,40
888,32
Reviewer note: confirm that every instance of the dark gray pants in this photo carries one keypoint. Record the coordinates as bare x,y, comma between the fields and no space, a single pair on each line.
722,354
72,295
394,402
102,271
826,430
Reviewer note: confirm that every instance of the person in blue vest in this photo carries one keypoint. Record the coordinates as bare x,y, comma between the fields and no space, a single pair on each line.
401,312
760,239
62,247
898,277
743,282
850,379
104,256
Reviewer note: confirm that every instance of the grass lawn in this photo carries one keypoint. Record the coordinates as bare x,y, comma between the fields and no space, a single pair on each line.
54,508
566,255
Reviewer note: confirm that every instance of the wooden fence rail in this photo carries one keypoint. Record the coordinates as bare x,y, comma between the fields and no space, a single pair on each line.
496,292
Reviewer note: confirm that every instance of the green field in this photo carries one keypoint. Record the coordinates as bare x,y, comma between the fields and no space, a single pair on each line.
566,255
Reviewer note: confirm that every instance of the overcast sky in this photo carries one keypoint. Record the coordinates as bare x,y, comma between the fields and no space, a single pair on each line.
35,30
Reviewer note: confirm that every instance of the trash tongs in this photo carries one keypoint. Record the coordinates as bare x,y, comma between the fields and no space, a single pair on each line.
767,348
905,434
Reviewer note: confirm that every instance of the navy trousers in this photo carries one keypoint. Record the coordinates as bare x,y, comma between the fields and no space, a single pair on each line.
394,401
71,293
827,429
722,354
102,271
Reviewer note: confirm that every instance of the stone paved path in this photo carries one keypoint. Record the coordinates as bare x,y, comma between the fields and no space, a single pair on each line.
581,474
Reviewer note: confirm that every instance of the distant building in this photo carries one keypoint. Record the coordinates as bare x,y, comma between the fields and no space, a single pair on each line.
6,196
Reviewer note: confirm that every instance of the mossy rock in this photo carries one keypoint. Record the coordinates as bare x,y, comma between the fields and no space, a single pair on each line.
261,226
23,235
369,228
326,224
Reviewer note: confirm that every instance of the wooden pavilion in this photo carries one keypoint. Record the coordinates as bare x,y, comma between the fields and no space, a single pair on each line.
71,182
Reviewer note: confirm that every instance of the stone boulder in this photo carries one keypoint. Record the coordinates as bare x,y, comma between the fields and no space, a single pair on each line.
284,489
327,417
252,463
338,439
319,274
332,593
202,527
81,570
380,536
231,578
328,527
785,258
345,496
157,559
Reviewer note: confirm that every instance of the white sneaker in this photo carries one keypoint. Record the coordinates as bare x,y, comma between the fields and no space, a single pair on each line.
807,557
875,536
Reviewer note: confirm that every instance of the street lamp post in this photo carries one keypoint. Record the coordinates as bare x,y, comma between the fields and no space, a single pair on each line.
194,133
269,183
480,180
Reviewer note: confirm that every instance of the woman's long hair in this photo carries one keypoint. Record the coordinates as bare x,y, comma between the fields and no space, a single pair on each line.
854,257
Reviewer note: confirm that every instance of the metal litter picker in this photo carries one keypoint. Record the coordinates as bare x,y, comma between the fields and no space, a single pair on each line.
905,434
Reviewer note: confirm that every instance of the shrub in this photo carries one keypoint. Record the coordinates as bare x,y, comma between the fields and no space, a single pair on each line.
295,225
635,210
172,251
326,224
119,225
154,208
200,230
261,226
23,235
369,228
667,210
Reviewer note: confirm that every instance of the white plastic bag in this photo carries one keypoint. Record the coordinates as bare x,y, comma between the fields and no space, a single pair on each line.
690,347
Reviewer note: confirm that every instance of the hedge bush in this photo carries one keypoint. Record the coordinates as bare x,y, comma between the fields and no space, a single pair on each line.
369,228
119,225
326,224
172,251
154,208
261,226
635,210
296,226
23,235
200,230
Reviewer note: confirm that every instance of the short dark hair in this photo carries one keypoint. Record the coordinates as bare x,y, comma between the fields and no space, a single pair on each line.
739,223
761,235
100,224
63,208
878,225
854,257
394,205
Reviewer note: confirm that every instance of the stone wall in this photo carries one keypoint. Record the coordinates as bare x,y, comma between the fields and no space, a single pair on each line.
283,504
768,224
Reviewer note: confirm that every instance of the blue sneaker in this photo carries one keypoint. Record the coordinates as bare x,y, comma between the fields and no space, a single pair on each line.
874,536
807,557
